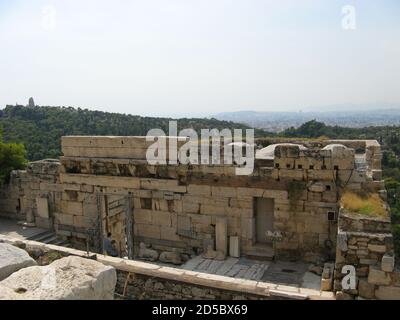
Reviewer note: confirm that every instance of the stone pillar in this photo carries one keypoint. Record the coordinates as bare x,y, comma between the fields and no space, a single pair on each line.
221,235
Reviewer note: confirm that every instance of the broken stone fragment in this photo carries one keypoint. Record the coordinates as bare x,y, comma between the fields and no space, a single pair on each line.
378,277
387,264
147,253
71,278
13,259
342,241
316,269
317,187
365,289
170,257
343,296
326,284
213,254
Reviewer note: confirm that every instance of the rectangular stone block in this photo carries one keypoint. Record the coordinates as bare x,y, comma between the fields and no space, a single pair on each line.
90,209
237,203
79,221
388,293
320,175
387,263
247,227
276,194
249,192
365,289
234,247
377,248
53,187
97,180
227,192
190,207
147,231
199,190
169,233
162,185
377,175
184,222
65,219
71,187
43,223
70,207
292,174
239,212
213,210
221,235
378,277
87,188
161,218
142,216
42,206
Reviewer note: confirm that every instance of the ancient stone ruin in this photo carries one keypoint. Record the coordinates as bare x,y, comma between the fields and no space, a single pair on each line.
288,209
69,278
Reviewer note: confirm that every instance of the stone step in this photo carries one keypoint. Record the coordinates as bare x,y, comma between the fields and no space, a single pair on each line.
263,253
49,237
41,236
50,240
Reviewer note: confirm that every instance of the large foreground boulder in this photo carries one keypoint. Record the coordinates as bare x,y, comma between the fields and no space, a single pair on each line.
70,278
13,259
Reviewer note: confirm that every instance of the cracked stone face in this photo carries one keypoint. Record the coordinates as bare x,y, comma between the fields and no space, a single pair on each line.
71,278
13,259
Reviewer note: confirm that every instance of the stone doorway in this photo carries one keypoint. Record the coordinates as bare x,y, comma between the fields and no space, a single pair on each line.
115,215
264,219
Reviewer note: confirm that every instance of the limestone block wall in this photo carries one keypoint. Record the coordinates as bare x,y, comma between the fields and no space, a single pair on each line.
367,244
177,207
152,281
33,194
11,196
173,216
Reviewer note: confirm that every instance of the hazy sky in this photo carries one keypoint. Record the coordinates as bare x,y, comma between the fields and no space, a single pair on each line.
159,57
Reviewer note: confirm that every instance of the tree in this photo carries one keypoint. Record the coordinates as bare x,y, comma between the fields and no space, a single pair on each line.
12,157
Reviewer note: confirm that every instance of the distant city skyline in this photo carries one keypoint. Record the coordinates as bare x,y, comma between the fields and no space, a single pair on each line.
181,58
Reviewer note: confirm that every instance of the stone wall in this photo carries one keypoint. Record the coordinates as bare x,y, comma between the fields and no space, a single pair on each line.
367,244
177,208
140,287
33,195
151,281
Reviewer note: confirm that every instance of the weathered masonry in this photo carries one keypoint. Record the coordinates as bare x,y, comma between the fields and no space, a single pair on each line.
288,207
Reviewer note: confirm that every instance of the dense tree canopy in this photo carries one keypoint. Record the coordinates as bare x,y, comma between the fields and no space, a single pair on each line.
12,157
40,128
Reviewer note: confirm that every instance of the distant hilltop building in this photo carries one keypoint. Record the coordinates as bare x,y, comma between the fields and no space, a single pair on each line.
31,102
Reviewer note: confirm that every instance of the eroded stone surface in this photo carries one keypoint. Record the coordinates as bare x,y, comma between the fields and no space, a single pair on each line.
71,278
13,259
170,257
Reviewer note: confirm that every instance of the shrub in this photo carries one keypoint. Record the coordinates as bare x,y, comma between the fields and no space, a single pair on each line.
12,157
366,204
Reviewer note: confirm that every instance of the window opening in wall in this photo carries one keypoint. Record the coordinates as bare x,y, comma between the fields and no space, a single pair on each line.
146,203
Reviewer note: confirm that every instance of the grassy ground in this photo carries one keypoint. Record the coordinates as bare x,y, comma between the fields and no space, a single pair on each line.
370,205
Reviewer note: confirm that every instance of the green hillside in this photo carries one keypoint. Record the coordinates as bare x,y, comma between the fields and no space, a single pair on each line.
40,128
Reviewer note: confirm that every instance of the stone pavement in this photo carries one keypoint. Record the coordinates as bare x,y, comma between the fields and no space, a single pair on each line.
11,229
283,273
